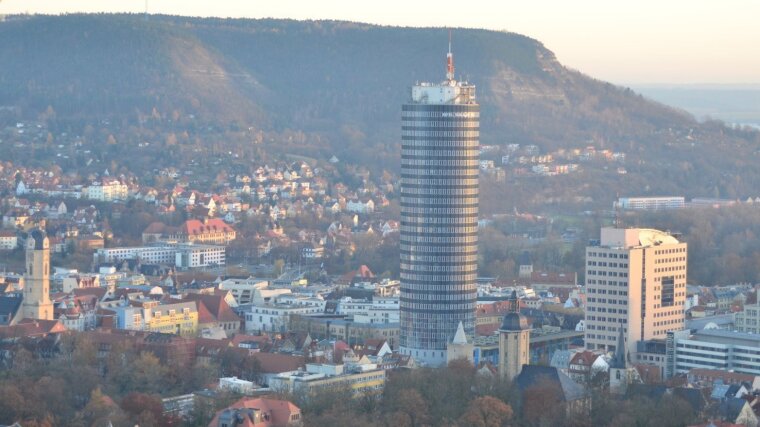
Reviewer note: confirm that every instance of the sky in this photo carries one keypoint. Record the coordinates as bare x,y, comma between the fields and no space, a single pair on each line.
624,42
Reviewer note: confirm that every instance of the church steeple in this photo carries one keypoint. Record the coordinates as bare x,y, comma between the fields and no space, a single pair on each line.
618,361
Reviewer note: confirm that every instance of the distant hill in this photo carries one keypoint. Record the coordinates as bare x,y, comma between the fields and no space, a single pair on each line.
336,87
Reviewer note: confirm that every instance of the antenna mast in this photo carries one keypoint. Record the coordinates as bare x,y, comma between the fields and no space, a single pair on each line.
450,62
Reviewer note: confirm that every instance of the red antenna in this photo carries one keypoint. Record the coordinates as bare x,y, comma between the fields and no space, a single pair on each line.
450,62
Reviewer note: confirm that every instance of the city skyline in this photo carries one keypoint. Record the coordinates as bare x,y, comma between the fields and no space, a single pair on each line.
651,43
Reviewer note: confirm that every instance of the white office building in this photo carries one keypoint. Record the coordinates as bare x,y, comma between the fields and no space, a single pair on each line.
712,349
182,255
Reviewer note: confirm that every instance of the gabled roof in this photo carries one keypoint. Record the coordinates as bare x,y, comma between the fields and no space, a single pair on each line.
731,408
31,328
10,304
279,411
585,358
533,374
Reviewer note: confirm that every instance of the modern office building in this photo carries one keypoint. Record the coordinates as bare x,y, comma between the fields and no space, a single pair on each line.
635,280
718,349
439,216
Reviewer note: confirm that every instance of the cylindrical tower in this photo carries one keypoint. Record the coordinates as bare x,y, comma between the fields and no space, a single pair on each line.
439,217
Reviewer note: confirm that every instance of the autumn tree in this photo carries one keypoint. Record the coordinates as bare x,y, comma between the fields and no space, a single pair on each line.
486,411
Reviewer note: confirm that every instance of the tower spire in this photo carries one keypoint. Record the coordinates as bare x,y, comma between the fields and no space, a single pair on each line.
450,62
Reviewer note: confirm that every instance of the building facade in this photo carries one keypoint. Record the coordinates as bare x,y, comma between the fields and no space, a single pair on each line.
715,349
439,216
748,320
635,280
182,255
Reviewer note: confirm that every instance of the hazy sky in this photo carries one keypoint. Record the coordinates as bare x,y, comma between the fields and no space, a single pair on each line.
633,41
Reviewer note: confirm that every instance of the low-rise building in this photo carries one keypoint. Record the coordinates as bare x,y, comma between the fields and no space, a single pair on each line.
179,318
182,255
243,288
361,378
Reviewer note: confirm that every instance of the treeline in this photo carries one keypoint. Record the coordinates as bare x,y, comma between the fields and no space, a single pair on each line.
74,386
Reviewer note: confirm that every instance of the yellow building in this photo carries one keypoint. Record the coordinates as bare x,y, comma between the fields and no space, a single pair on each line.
178,318
362,378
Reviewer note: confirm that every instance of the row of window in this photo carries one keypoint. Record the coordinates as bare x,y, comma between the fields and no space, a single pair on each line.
438,192
438,163
428,182
605,282
606,292
442,133
607,273
670,251
607,255
606,264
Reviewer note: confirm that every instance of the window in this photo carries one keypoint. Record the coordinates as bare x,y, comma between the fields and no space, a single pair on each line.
667,291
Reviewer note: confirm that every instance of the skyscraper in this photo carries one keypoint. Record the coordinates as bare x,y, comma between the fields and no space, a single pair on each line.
635,280
439,215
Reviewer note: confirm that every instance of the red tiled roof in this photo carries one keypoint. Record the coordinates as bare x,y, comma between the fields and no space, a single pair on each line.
31,328
274,363
585,358
215,306
280,411
215,225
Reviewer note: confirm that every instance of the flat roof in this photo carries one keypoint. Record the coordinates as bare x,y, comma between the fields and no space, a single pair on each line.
722,336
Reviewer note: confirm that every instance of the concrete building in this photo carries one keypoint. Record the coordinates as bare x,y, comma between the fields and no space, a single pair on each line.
275,316
342,328
243,288
748,320
712,349
635,280
439,216
37,304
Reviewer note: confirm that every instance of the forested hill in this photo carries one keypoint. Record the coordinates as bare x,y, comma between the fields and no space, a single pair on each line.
338,86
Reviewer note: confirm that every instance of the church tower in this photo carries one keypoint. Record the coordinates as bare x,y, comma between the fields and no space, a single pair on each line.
37,303
621,375
514,341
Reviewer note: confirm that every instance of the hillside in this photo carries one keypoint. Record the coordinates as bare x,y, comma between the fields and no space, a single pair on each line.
321,87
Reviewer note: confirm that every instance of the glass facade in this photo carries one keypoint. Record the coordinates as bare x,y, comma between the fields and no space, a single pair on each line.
439,224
